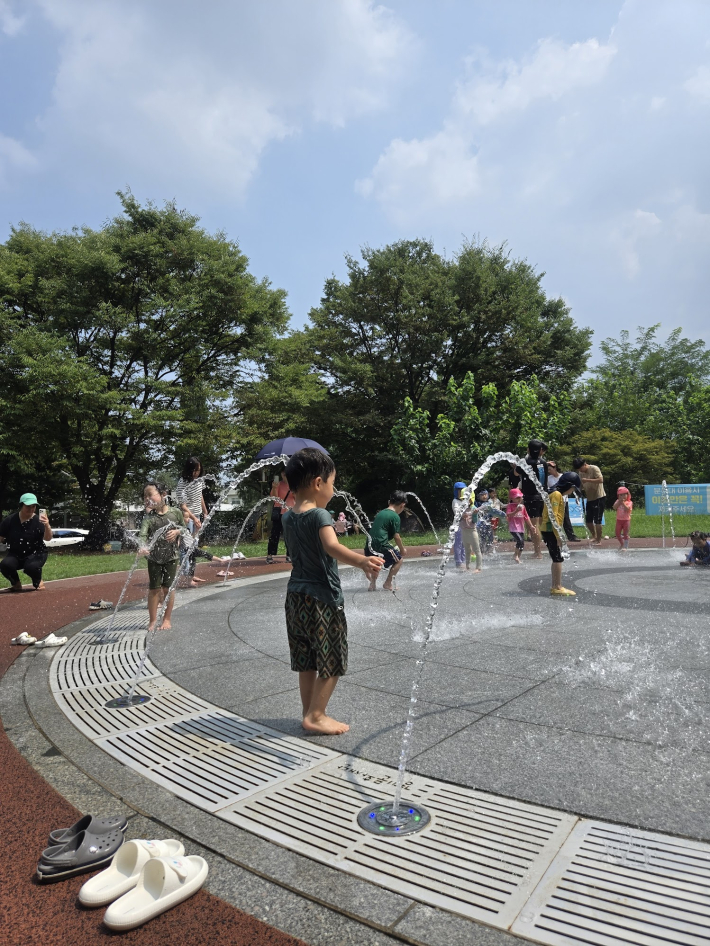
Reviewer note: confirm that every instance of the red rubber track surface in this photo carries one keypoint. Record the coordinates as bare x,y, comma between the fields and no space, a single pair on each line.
32,914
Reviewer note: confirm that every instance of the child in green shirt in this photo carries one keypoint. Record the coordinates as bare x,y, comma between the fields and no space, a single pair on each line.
384,531
315,617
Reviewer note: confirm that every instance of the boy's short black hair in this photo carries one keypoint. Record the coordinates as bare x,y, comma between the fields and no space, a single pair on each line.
398,497
306,465
701,536
578,463
160,487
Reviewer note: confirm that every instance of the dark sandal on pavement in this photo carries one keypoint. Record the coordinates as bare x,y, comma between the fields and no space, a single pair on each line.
81,853
88,823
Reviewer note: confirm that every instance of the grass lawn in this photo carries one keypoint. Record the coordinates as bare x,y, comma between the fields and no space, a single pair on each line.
75,564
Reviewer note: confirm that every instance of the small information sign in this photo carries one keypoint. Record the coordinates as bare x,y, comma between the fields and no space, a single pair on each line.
576,511
683,498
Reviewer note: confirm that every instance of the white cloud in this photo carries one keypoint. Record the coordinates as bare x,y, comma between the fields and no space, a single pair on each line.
699,84
14,156
553,71
10,23
187,93
627,236
446,168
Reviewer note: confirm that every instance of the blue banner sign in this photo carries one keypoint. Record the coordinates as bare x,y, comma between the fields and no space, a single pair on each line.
683,499
576,512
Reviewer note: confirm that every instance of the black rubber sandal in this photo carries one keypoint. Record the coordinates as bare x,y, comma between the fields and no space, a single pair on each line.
88,823
81,853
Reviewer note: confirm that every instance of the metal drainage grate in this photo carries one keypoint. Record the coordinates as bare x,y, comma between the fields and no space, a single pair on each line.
214,758
87,711
610,885
480,856
96,669
127,635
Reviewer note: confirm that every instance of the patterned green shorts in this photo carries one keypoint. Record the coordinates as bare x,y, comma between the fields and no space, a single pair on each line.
317,635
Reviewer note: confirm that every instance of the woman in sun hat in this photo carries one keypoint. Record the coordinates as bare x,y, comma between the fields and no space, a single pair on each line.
24,533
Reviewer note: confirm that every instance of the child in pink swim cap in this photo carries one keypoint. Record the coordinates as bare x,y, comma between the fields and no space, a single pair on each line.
517,516
624,507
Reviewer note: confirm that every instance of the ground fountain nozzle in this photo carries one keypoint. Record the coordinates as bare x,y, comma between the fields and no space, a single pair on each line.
380,818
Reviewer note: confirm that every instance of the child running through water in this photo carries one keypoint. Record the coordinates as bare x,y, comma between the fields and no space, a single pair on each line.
385,531
624,507
315,617
163,553
518,517
471,543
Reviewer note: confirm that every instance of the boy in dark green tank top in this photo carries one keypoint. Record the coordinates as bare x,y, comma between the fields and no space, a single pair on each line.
315,618
385,531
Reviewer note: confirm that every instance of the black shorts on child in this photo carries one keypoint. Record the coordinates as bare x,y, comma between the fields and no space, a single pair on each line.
317,635
553,546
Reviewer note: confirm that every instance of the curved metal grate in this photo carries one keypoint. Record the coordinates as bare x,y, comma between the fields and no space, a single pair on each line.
610,885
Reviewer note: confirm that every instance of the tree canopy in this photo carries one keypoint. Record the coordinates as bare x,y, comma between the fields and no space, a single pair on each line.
110,333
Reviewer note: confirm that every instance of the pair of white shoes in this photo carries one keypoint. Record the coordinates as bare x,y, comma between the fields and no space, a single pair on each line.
25,640
144,879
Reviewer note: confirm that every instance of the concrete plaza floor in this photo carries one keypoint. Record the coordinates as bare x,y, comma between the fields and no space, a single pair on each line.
596,705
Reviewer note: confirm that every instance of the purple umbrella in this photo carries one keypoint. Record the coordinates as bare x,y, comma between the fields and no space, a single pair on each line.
287,446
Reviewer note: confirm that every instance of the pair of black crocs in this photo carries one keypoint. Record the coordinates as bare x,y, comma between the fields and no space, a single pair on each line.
88,844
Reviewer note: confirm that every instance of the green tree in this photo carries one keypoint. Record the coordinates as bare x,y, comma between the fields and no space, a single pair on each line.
622,455
658,388
110,330
407,320
432,456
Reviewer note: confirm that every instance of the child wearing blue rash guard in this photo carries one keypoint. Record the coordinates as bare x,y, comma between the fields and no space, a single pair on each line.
700,552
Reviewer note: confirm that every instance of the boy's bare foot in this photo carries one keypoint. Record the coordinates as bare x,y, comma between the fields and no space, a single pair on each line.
151,626
40,586
387,587
199,579
517,561
538,556
468,568
165,626
193,584
373,585
324,724
477,571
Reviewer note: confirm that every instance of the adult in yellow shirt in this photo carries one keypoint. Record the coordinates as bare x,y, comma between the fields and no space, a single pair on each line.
564,486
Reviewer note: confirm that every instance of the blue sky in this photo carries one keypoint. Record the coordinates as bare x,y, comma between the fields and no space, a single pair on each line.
575,131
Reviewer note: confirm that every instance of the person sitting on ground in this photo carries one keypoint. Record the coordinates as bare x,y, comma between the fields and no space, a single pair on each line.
593,485
624,507
315,616
162,552
197,552
25,532
518,518
566,485
700,552
280,490
471,542
385,531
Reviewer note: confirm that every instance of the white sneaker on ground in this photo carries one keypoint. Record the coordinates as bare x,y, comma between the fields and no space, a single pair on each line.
24,639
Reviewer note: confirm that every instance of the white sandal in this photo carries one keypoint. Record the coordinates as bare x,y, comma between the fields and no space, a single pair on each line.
125,870
163,883
52,641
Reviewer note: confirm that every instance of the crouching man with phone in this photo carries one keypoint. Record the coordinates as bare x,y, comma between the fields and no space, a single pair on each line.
25,533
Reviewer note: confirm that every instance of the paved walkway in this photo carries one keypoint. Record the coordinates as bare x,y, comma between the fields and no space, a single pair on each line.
596,706
31,913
